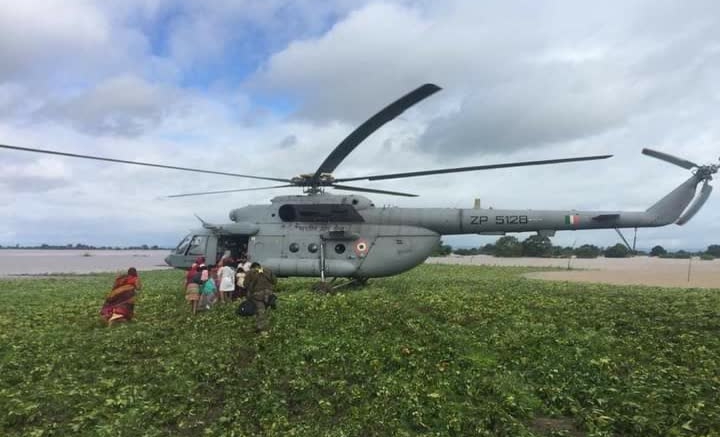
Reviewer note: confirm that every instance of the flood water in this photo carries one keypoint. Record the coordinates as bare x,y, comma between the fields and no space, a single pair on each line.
638,270
44,262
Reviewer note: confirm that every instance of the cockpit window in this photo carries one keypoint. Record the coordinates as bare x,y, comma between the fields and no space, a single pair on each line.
197,245
183,246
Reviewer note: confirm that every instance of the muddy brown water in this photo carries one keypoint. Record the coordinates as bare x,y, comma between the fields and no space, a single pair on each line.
45,262
640,270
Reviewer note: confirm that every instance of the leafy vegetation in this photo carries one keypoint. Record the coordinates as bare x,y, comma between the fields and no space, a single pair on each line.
442,249
617,251
508,246
488,249
541,246
561,252
587,251
657,251
680,254
440,350
714,250
537,245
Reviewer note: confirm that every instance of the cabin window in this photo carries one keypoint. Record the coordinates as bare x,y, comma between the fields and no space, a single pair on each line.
197,245
294,247
339,248
318,212
313,247
287,213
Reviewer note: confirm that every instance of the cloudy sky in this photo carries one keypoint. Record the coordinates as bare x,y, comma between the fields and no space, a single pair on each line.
271,87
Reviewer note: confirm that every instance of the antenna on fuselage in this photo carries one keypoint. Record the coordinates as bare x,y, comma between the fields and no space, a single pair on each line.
205,224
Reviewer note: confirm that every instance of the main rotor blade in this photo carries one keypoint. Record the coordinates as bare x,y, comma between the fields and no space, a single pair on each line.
371,190
146,164
697,204
229,191
374,123
474,168
669,158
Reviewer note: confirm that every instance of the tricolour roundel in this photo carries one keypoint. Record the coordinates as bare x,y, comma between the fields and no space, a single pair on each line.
361,247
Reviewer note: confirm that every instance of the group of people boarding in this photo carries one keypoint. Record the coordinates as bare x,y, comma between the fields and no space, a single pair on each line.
206,285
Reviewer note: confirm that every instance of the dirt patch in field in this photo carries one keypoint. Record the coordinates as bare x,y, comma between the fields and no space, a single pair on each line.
640,270
549,425
655,278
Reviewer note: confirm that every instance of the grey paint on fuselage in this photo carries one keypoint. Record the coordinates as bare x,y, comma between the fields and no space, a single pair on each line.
389,240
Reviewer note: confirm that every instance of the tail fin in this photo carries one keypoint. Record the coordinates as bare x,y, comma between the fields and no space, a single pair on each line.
668,209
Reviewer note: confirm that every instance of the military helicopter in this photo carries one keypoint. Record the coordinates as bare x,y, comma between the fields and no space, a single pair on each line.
324,235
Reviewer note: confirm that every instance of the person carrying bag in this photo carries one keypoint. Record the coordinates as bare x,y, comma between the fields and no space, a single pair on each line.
260,284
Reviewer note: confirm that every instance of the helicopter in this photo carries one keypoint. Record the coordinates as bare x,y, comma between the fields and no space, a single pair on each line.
324,235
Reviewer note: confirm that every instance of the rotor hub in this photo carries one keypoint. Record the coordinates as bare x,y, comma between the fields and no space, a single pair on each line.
309,180
326,179
705,172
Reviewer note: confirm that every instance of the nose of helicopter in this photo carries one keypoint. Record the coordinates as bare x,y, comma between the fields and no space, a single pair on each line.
167,260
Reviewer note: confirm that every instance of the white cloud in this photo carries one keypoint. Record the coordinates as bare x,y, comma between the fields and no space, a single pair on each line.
124,105
355,68
44,30
37,176
208,32
48,43
522,78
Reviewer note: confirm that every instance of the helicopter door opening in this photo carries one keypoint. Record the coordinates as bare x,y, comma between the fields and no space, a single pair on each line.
231,246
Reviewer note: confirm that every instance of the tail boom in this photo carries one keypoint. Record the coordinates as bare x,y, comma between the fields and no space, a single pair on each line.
447,221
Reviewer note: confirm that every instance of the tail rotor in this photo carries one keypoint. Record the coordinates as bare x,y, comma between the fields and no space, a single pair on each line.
696,205
669,158
703,173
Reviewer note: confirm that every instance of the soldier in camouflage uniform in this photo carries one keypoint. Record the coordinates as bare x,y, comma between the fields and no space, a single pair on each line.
260,284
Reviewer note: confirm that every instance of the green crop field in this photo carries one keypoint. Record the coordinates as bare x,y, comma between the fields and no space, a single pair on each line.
440,350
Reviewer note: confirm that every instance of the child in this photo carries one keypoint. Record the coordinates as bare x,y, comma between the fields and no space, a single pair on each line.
192,290
239,283
208,294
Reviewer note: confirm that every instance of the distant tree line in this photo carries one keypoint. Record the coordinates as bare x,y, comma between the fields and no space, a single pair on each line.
541,246
712,252
80,246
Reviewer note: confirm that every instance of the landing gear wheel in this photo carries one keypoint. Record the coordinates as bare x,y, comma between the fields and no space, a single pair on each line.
356,283
361,282
322,288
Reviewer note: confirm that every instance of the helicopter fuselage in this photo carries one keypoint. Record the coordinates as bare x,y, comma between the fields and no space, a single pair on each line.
348,236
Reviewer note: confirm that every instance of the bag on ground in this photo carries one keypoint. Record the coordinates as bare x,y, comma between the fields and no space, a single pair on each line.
246,308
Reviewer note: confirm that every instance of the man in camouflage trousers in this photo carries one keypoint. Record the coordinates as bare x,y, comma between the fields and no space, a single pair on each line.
260,284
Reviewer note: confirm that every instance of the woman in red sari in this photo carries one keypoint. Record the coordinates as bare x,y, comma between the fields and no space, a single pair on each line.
120,303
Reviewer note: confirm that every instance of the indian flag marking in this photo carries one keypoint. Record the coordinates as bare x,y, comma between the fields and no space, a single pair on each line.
572,219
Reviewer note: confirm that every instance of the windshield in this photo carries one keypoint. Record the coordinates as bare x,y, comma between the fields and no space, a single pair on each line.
182,247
